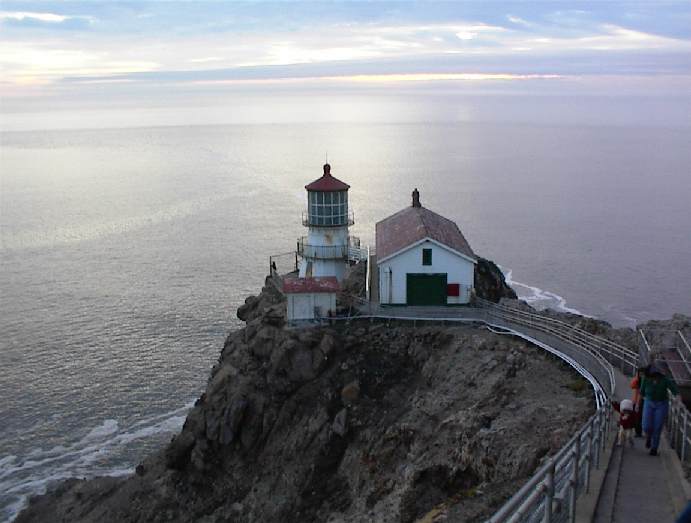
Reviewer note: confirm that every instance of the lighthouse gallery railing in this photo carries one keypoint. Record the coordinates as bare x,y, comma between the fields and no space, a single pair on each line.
551,494
327,252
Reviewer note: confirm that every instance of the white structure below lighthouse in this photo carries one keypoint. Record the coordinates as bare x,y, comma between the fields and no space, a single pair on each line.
324,251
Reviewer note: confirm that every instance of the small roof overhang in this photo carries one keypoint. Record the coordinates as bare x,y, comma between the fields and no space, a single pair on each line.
325,284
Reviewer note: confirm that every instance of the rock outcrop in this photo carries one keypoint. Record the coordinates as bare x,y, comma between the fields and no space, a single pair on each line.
352,423
490,283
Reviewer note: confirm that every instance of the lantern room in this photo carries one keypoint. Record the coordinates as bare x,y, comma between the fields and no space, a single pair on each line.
327,202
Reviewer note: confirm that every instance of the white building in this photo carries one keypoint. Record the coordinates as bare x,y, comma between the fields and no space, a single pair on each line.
310,298
423,259
324,251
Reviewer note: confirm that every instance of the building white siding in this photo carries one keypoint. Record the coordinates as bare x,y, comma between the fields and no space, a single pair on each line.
310,305
393,272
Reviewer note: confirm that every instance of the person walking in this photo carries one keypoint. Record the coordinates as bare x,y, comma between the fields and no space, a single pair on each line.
654,391
638,399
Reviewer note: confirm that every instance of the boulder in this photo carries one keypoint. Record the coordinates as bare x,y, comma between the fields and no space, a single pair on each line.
350,393
490,283
178,452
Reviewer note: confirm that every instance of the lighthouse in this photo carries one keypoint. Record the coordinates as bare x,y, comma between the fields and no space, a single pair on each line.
324,251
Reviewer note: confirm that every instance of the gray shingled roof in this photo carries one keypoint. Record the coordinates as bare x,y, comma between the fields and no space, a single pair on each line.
413,224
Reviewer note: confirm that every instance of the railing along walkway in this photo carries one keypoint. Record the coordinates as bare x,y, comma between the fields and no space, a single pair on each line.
551,494
639,486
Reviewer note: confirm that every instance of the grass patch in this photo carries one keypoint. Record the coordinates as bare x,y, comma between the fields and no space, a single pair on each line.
578,385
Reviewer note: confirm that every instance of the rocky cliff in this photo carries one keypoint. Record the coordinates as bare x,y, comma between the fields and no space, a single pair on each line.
352,423
490,283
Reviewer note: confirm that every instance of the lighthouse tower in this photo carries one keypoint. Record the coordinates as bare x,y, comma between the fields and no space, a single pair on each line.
324,251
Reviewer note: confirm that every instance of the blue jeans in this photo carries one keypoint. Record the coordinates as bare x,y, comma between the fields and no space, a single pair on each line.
654,414
685,516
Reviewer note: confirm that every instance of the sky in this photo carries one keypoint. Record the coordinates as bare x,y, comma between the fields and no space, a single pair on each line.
57,53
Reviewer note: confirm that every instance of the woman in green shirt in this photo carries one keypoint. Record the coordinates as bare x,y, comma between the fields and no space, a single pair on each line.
655,389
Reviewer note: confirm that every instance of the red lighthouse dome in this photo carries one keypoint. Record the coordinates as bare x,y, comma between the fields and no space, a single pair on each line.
327,183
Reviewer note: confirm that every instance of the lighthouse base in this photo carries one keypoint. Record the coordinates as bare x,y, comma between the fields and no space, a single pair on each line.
311,268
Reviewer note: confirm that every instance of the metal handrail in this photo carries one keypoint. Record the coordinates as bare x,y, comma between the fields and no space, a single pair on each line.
679,418
559,482
552,491
624,358
322,252
533,321
615,347
679,427
684,346
644,350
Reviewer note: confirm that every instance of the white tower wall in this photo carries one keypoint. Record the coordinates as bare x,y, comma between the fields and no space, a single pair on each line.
324,251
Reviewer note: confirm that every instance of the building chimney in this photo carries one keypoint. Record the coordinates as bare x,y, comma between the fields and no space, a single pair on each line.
327,169
416,198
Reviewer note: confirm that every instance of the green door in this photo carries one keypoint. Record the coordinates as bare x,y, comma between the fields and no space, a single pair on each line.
426,289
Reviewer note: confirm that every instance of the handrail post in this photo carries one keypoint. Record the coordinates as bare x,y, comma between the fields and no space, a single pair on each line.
600,438
549,492
672,423
575,477
588,458
683,438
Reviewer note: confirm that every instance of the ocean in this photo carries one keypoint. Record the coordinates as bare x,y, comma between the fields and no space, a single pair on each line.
126,251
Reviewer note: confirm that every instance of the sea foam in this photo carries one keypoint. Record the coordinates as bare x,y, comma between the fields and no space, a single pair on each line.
537,297
23,477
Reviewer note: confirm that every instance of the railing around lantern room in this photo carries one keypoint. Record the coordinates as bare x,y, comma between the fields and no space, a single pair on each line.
328,252
314,219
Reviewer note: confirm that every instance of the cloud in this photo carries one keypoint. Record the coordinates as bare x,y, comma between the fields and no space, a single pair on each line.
199,52
518,20
36,62
384,78
51,18
205,59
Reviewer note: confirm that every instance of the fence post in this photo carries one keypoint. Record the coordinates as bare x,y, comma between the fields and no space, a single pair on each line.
677,421
598,440
682,452
672,420
575,477
549,492
588,457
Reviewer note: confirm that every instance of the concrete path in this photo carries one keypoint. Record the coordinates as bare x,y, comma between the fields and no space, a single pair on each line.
643,492
638,486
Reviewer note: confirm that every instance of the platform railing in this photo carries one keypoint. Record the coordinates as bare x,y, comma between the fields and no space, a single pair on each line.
679,418
331,220
551,493
622,357
679,427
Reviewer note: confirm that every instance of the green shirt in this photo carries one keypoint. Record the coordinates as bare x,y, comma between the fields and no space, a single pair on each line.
656,390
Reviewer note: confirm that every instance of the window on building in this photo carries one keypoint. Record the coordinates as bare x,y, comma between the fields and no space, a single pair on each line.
426,256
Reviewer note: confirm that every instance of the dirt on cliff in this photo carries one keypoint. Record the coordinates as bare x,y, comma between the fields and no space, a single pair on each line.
351,422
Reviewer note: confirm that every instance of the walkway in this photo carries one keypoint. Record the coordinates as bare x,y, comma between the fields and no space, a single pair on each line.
637,486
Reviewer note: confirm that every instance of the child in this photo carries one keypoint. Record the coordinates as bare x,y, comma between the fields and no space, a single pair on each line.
627,421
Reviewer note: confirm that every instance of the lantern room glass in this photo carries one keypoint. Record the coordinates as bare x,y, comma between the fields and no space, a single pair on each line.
328,209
